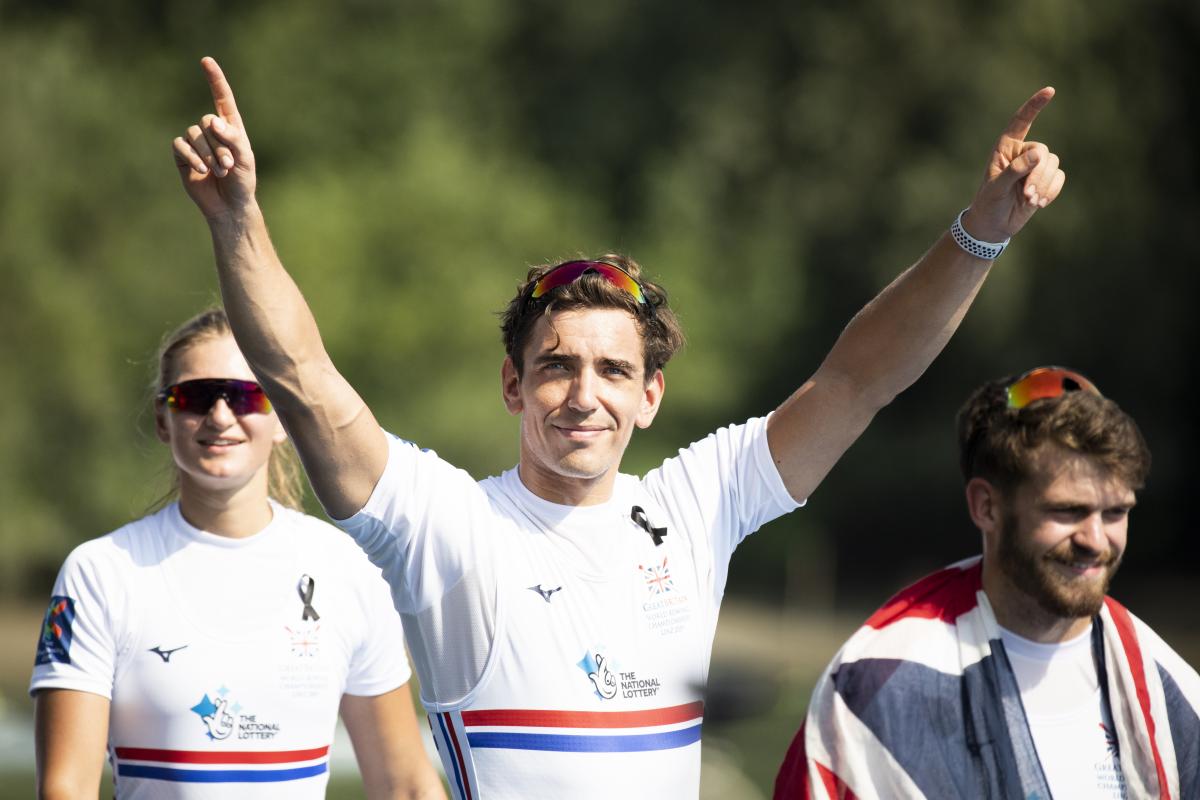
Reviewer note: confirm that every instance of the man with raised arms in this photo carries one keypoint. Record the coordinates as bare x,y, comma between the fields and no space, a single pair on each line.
560,616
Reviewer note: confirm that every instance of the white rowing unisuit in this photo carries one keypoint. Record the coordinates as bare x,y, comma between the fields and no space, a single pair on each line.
561,651
219,685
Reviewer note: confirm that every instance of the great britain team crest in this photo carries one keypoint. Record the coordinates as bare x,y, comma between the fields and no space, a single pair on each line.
666,608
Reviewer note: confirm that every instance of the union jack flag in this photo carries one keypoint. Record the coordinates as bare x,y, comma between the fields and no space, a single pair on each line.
658,578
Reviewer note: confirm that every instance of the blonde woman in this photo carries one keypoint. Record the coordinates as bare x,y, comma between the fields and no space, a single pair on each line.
208,647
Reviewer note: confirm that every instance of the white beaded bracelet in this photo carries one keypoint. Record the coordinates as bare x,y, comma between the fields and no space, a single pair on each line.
987,250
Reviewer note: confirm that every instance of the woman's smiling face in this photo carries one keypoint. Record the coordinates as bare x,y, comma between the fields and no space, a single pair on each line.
217,450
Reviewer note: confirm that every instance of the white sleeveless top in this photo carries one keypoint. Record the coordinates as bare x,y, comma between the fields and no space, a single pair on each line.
562,651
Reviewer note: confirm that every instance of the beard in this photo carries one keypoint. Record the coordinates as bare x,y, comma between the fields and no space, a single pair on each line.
1054,590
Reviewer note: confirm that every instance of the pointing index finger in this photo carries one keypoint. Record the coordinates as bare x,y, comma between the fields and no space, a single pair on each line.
222,93
1022,121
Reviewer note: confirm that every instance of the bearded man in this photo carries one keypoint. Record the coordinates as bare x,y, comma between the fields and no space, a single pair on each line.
1014,674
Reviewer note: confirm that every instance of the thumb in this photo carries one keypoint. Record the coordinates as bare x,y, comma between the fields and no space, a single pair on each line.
1019,167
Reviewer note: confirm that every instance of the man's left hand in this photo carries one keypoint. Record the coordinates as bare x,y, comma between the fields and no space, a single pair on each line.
1021,177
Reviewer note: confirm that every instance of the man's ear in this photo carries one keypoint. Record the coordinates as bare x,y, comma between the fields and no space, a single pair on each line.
984,505
510,387
651,399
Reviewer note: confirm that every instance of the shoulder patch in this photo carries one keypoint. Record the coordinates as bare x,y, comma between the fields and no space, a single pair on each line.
55,641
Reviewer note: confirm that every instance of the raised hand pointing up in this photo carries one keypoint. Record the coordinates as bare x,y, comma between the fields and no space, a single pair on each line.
214,158
1020,178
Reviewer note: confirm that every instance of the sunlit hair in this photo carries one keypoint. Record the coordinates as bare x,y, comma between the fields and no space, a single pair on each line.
661,333
283,470
996,442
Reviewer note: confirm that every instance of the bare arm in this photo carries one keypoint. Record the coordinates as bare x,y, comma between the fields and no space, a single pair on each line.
70,738
342,446
890,342
388,747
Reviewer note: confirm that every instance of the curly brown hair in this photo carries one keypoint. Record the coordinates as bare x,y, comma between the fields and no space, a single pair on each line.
995,442
661,333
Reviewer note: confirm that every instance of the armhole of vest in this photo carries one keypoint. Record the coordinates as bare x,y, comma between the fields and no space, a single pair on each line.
489,664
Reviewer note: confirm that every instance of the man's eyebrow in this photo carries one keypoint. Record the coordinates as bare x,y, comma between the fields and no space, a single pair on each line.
554,358
1066,505
619,363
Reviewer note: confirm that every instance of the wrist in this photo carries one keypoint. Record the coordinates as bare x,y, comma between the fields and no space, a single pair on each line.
973,241
234,218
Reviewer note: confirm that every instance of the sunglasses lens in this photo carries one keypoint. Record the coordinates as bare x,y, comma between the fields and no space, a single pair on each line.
199,396
194,397
1047,382
573,270
247,397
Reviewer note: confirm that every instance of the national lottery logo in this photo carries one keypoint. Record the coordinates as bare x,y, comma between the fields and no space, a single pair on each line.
216,716
600,673
224,718
610,680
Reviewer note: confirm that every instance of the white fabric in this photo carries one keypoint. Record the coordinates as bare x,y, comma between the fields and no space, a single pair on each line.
174,624
571,612
1071,728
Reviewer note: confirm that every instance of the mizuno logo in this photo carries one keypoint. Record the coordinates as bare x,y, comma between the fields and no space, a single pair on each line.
545,593
165,655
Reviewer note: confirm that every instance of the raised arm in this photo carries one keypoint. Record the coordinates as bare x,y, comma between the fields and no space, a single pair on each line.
342,446
891,341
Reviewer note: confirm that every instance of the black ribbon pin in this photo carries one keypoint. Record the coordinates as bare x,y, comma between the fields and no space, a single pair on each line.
306,588
639,517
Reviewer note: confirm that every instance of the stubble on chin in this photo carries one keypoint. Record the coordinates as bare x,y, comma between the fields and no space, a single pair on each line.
1039,577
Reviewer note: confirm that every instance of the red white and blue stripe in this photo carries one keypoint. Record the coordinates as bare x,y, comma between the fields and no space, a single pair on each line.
204,766
458,733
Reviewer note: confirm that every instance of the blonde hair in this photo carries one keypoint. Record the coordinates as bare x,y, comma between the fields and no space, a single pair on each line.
283,470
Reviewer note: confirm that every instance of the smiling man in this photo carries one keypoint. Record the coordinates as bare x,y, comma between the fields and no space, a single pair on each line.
1014,674
560,616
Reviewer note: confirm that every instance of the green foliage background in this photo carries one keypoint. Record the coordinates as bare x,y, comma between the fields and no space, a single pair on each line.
773,163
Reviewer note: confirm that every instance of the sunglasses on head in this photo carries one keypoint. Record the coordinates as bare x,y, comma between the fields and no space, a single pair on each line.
199,396
571,271
1047,382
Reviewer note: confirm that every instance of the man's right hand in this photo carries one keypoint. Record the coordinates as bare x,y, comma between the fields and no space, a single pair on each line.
341,444
214,158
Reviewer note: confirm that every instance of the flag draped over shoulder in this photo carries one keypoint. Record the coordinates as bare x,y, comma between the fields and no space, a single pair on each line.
921,702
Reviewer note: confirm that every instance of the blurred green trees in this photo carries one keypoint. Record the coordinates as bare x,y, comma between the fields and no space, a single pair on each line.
774,163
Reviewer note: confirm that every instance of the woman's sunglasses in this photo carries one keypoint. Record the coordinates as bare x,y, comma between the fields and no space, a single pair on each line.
1047,382
199,396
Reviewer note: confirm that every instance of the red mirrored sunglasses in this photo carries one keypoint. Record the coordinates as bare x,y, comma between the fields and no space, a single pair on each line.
571,271
200,395
1047,382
